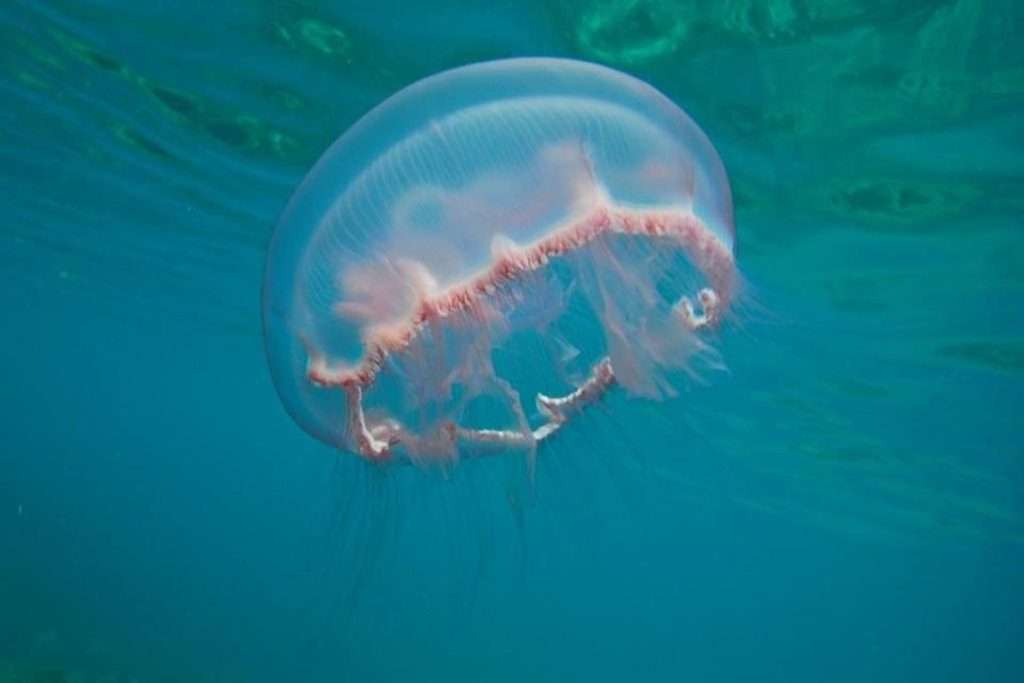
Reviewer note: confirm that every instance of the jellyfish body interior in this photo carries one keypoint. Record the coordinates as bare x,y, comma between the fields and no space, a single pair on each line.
490,251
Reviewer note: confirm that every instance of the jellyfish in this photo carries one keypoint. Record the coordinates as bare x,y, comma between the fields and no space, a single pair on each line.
485,255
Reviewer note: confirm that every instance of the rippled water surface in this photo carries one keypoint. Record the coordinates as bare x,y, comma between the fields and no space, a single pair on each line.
843,503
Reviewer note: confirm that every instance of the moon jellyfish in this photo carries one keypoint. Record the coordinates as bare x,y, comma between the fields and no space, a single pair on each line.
486,254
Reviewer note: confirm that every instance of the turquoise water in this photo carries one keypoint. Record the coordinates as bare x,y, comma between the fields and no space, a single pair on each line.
842,503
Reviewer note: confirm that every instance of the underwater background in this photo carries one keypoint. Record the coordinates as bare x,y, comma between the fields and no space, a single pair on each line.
844,503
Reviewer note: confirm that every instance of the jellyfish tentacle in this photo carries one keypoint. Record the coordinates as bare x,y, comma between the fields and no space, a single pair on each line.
709,314
376,442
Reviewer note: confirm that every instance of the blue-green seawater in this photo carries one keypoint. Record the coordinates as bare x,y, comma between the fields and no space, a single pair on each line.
843,503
